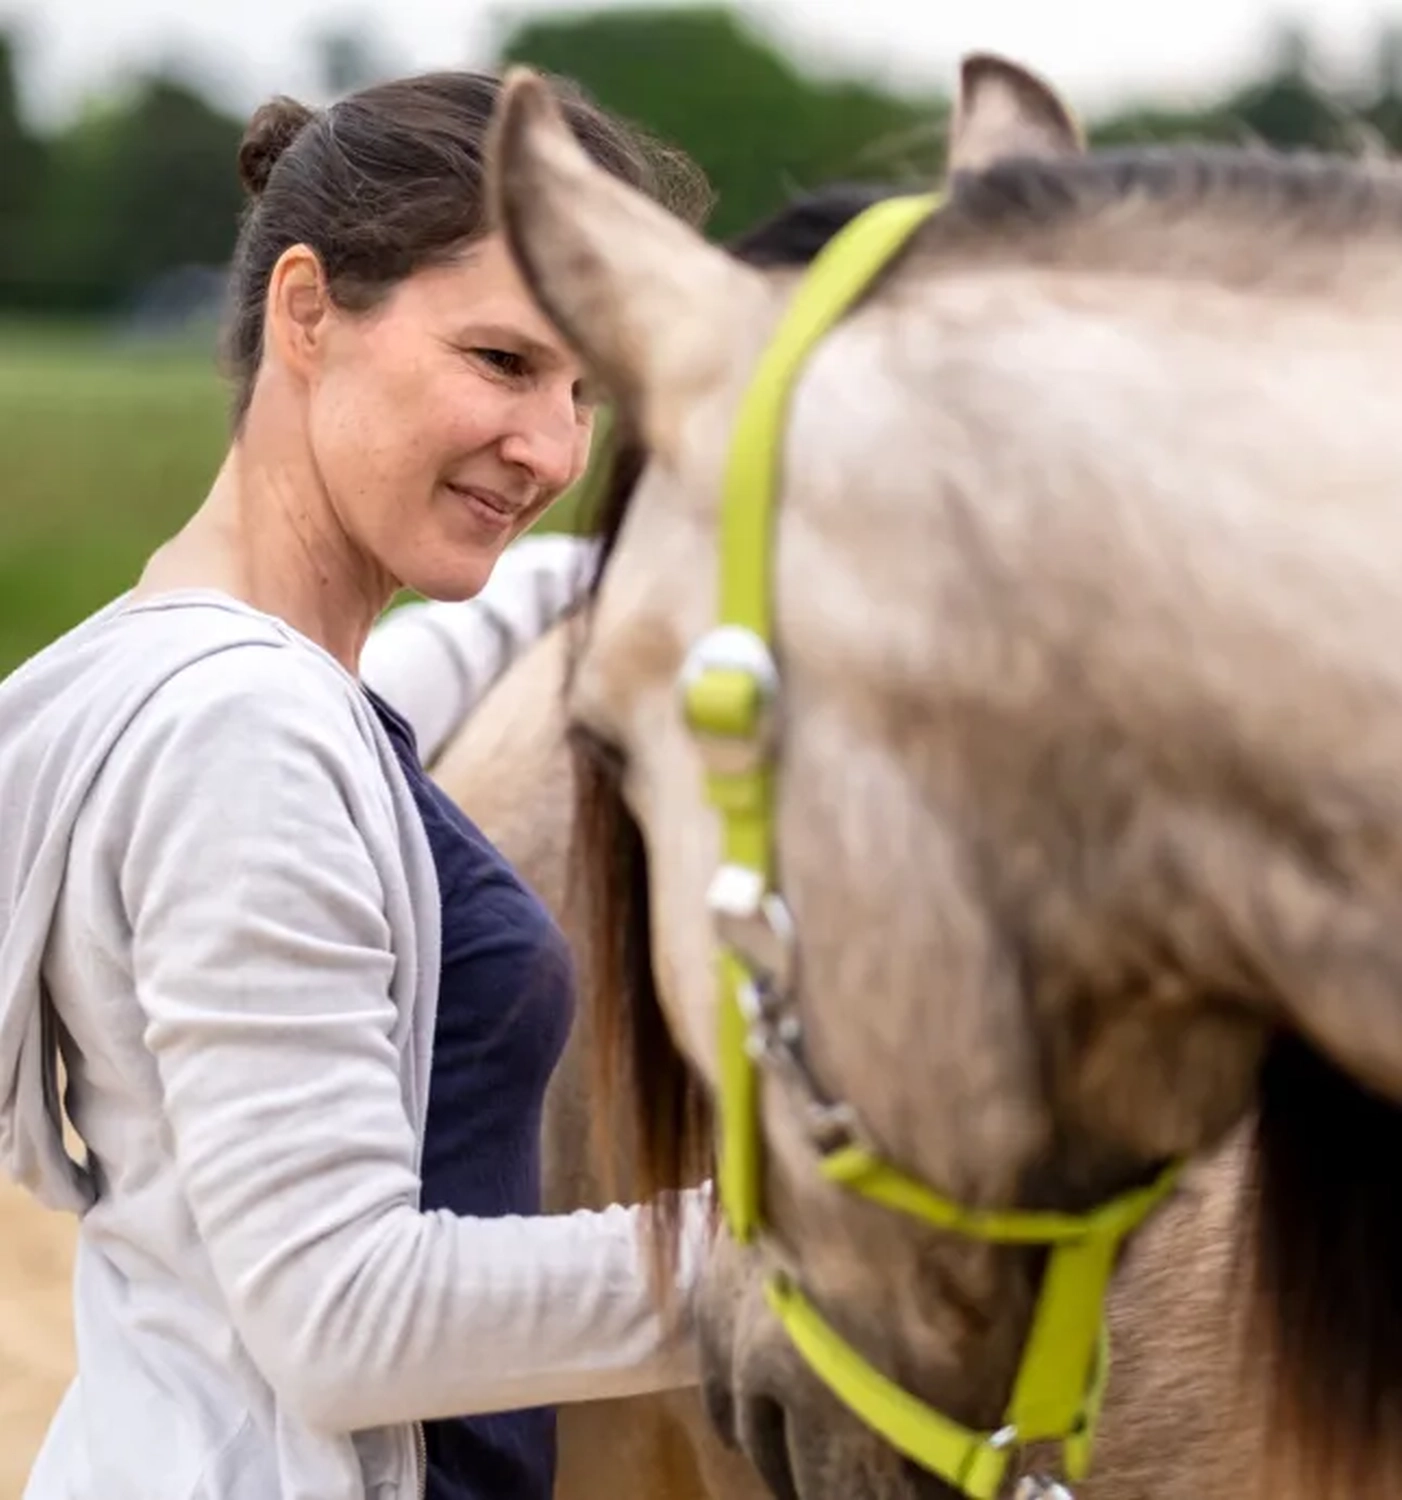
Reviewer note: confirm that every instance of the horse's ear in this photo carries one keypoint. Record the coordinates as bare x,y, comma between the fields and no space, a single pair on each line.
646,302
1003,111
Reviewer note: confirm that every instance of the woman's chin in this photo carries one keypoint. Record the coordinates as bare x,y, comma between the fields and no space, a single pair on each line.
462,576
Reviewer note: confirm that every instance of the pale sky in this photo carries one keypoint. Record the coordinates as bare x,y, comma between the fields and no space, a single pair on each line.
1096,50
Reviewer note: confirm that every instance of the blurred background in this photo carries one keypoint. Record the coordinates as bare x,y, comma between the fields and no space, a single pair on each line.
119,121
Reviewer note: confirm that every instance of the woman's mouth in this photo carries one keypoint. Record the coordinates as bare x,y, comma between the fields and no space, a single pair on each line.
488,507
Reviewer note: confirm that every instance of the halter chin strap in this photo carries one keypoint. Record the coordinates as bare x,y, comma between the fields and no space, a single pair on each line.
730,687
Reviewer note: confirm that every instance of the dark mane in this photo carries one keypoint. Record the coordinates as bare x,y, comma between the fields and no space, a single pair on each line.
1325,1308
1331,193
1235,216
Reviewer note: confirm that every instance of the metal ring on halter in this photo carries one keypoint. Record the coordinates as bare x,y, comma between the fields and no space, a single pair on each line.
831,1127
1038,1487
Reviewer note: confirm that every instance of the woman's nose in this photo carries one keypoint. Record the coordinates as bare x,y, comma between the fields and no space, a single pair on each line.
549,439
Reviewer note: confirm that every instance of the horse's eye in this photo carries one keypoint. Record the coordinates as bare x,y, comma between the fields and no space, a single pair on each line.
597,749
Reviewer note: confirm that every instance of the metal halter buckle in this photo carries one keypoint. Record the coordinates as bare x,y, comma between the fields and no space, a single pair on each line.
754,922
756,925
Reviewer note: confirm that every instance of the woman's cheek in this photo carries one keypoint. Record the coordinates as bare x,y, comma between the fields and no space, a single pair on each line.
475,415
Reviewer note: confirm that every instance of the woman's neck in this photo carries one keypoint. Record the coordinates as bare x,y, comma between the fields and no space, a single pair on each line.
268,534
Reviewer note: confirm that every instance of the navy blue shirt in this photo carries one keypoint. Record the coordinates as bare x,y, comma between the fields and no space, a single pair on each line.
506,1001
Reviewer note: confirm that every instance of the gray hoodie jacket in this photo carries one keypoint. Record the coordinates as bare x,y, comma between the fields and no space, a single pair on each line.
216,898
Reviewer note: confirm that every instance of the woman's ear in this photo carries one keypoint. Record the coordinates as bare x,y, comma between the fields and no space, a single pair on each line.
297,309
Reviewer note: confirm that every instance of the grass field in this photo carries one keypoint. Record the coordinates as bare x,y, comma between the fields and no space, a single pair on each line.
106,445
106,448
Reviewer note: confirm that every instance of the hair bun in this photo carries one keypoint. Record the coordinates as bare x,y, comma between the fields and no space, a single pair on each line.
273,128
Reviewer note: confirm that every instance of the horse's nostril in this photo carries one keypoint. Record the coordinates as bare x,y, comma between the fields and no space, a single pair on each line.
766,1441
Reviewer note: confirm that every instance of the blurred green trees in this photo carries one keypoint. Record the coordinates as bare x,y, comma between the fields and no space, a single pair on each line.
144,183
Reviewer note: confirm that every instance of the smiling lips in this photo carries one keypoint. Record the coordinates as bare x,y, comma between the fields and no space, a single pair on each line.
490,506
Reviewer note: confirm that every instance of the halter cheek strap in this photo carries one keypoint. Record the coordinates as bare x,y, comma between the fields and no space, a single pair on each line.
730,686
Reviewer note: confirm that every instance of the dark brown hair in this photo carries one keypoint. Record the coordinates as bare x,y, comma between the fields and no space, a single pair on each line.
390,180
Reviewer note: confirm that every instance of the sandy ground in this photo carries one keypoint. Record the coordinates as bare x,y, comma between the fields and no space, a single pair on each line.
36,1328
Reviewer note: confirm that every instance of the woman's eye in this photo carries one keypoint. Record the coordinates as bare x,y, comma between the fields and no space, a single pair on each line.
504,361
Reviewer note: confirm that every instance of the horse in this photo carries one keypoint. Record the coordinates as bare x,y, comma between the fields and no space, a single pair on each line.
1070,713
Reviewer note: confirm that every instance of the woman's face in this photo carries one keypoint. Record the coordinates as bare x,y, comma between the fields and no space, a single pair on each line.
445,420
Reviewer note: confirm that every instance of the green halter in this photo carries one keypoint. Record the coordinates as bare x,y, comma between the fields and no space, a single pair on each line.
730,684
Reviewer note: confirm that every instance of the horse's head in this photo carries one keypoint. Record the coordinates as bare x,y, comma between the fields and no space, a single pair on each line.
1053,848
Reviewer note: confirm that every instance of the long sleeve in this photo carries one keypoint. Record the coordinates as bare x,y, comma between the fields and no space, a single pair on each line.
263,964
433,662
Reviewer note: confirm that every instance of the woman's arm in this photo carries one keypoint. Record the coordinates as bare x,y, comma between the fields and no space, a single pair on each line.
262,961
433,662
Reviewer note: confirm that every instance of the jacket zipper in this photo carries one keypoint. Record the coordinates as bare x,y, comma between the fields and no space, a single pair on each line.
421,1458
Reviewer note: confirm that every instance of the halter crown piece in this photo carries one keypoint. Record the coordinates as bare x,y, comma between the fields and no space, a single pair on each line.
730,685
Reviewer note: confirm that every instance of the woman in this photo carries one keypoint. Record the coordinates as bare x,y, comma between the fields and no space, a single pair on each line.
307,1014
